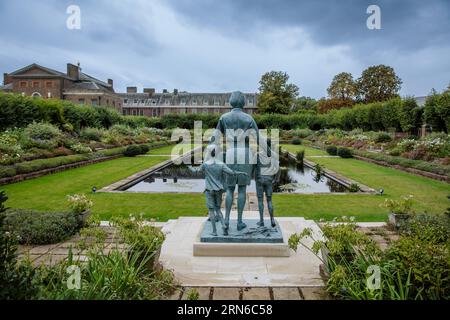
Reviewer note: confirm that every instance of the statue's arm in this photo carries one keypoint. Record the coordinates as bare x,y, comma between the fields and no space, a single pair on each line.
196,169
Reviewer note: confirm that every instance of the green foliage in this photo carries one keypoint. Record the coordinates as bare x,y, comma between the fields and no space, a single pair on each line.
112,276
193,294
437,111
326,105
300,156
401,206
296,141
344,153
36,228
429,228
354,187
343,87
378,83
277,95
383,137
92,134
332,150
135,150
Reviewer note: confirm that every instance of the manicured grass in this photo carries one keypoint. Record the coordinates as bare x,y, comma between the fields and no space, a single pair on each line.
308,150
49,192
429,195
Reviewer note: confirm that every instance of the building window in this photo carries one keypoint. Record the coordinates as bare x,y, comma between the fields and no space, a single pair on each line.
154,113
216,101
194,102
250,102
183,102
23,84
134,112
141,112
94,102
35,84
107,102
167,102
205,102
125,101
124,112
205,110
136,101
49,84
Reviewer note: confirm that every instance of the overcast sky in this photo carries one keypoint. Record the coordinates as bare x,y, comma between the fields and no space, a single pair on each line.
225,45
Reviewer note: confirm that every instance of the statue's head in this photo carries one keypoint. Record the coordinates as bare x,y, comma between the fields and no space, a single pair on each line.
237,100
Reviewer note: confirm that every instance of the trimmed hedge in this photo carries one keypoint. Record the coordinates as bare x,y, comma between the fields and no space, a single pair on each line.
344,153
39,228
332,150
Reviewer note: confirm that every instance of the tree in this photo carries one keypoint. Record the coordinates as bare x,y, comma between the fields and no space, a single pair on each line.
378,83
276,94
302,104
343,87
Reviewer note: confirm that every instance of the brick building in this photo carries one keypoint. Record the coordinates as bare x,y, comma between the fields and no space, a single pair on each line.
152,104
74,85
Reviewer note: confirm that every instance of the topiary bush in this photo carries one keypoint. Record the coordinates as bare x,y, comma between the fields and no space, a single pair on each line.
344,153
132,151
332,150
39,228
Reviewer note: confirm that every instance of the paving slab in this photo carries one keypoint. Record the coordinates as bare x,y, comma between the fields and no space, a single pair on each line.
314,293
226,294
286,294
256,294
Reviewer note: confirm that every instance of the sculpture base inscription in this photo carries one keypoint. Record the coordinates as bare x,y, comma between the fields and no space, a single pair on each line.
252,234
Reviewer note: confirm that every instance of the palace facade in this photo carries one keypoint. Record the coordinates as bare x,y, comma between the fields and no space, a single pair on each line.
74,85
152,104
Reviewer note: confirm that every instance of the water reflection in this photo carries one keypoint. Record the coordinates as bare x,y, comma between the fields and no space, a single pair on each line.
293,178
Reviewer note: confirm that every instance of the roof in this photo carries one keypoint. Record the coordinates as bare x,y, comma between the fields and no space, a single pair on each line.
35,65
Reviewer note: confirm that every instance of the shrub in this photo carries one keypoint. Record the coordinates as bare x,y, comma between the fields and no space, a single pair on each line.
92,134
6,172
332,150
144,148
38,228
41,164
80,148
296,141
344,153
425,264
430,228
402,206
383,137
133,151
79,203
354,187
42,131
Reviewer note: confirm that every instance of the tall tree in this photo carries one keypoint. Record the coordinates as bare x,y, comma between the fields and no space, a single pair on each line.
378,83
343,87
276,94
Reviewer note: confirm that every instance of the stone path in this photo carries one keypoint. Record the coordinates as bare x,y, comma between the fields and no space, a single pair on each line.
263,293
52,254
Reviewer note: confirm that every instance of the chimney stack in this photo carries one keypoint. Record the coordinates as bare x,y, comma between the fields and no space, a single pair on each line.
175,91
111,83
73,71
150,91
165,91
131,89
5,79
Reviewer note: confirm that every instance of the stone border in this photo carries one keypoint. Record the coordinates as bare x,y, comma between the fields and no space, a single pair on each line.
336,177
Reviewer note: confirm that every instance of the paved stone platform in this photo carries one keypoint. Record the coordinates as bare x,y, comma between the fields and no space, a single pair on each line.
262,293
301,269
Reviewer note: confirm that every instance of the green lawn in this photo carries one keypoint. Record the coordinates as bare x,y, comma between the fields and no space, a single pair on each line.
308,150
429,195
49,192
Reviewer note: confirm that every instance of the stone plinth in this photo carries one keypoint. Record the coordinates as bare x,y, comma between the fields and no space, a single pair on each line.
300,269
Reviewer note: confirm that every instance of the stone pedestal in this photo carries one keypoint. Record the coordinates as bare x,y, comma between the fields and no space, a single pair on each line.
252,241
298,269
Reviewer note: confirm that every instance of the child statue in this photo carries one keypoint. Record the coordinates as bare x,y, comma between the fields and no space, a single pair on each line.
267,173
214,185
